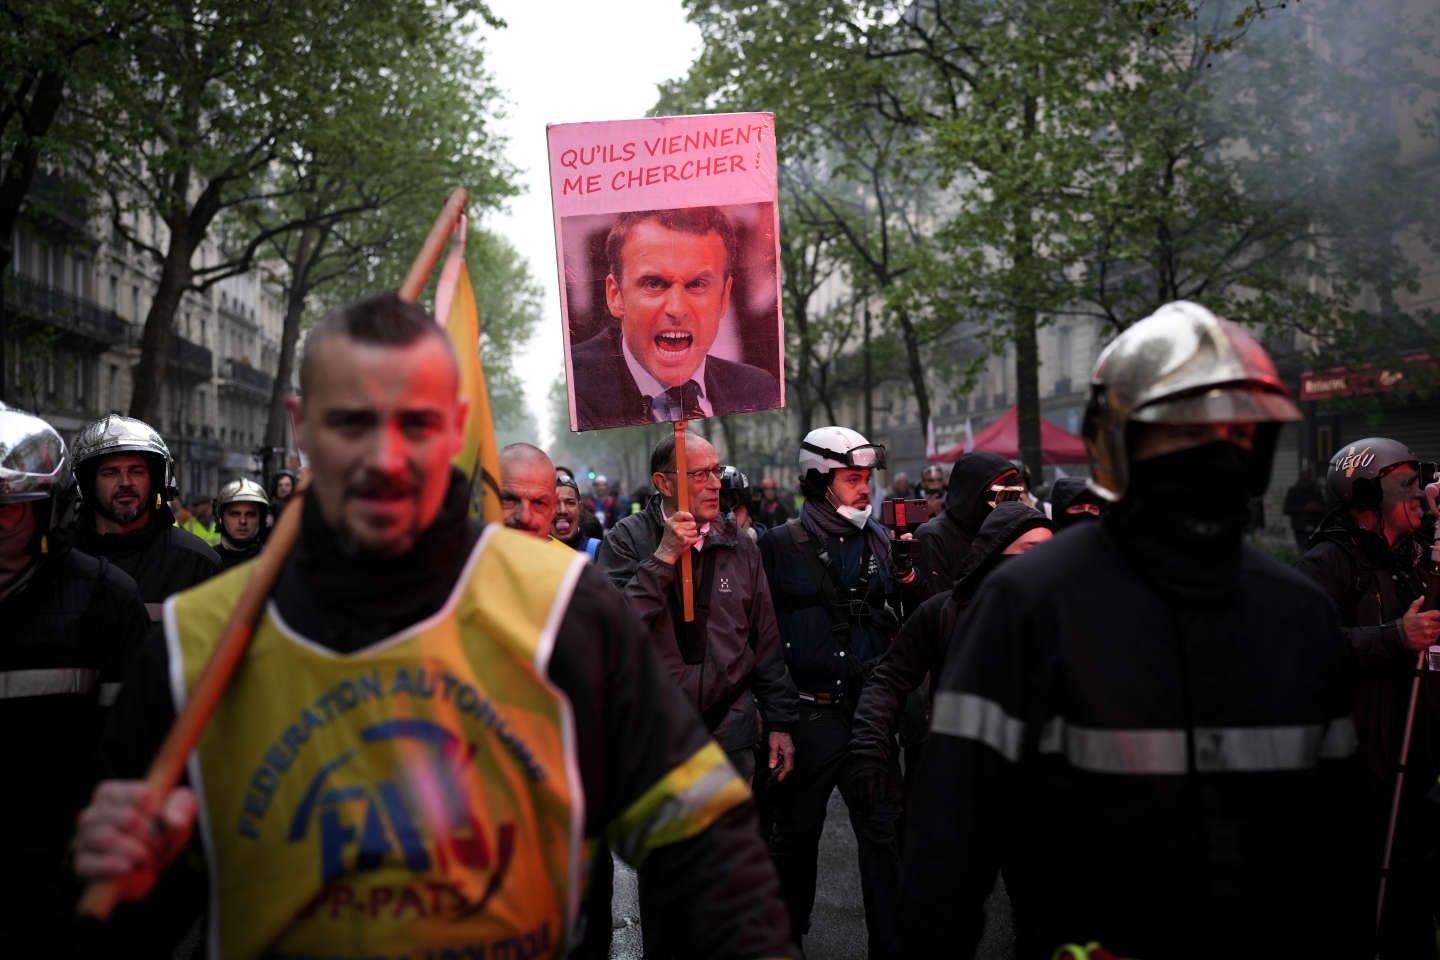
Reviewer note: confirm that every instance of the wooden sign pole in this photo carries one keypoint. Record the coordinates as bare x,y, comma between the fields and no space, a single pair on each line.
682,502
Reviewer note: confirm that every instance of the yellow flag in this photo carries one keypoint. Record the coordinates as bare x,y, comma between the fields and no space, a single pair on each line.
479,458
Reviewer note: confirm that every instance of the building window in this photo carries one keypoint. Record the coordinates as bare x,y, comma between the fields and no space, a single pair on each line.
114,293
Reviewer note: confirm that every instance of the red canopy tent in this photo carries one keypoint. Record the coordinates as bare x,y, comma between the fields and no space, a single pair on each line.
1003,437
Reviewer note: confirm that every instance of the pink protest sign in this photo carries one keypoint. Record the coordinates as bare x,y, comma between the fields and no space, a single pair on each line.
667,236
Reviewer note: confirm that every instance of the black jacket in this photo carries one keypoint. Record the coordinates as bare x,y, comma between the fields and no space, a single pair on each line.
233,557
1372,585
920,648
1165,777
71,625
160,557
716,892
818,661
945,540
738,652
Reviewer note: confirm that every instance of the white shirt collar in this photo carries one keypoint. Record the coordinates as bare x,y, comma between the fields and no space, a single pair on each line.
662,408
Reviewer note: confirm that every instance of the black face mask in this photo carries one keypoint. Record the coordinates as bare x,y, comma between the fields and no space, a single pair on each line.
1200,496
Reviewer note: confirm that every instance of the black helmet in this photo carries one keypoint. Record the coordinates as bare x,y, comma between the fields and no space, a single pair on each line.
1356,469
734,489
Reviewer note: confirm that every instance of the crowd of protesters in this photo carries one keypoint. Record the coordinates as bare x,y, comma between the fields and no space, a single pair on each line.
1169,743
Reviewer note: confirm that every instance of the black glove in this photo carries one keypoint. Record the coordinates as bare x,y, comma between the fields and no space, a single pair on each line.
872,781
902,557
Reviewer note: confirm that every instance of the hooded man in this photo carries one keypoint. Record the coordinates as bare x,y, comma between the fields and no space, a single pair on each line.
978,481
920,648
1072,501
122,467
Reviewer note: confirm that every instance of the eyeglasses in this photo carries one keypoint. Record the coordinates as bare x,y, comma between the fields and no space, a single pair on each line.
702,475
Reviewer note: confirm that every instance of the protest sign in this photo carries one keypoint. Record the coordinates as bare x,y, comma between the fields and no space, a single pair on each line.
667,238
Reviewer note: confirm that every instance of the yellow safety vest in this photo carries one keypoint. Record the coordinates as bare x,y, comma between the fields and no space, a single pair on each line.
195,525
416,797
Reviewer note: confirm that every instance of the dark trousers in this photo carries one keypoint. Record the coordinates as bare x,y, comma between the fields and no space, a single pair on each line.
822,748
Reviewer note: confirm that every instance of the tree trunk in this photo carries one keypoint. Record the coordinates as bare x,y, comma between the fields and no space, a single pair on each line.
1027,393
1027,348
306,248
916,367
155,340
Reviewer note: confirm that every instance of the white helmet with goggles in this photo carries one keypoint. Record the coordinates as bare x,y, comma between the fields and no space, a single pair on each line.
827,449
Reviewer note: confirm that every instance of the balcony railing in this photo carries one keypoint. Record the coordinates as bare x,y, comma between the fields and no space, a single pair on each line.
242,377
29,300
188,359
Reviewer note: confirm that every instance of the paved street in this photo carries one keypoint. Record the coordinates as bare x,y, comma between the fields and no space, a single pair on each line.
838,923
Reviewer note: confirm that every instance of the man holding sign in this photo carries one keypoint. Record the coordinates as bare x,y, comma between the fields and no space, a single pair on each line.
669,283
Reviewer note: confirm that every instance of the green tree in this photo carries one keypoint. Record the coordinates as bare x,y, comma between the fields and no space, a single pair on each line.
50,52
212,98
359,194
1102,157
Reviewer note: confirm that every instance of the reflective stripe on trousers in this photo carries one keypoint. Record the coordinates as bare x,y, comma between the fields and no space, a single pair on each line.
1147,752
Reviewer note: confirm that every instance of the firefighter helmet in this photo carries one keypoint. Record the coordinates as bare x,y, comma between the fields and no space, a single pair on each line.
32,469
240,491
116,434
1180,365
32,458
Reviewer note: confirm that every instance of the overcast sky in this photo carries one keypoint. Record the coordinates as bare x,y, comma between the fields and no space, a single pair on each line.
564,61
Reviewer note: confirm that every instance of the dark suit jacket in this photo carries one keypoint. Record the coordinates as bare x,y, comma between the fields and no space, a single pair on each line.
606,395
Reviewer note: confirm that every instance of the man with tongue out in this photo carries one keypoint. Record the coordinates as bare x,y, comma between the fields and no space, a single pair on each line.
669,283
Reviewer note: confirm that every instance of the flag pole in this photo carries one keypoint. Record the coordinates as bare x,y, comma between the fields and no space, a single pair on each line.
100,898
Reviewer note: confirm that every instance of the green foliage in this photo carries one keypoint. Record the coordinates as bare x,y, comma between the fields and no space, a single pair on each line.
243,122
991,167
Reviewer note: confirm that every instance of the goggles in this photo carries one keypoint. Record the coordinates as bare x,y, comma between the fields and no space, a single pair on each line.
999,494
1006,488
867,456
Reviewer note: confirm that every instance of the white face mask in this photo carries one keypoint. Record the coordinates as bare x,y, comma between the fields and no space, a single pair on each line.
856,515
859,516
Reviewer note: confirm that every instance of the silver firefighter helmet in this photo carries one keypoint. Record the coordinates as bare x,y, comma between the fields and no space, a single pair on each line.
240,491
1181,365
32,458
118,434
